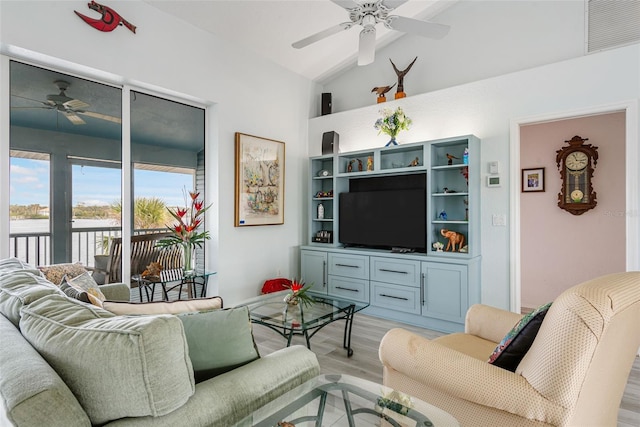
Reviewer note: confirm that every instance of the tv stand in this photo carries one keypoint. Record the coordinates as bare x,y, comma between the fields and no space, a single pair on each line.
432,289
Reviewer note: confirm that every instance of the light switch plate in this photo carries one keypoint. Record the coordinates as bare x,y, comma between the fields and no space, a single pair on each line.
494,167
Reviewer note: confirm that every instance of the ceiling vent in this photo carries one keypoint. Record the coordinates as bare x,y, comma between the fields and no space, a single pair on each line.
612,23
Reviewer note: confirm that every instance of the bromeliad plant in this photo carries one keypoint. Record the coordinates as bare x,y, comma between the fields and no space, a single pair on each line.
185,231
299,293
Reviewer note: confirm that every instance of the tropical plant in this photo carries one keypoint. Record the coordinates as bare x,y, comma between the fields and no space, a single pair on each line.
185,230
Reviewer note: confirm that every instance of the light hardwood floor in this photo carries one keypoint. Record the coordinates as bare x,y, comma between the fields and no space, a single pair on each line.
366,336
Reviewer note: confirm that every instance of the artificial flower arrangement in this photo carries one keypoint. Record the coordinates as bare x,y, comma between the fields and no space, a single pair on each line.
185,232
391,123
299,293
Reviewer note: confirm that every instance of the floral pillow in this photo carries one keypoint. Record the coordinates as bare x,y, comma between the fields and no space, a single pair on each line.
56,272
518,340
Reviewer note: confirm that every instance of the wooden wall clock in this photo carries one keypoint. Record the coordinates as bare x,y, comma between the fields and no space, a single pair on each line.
576,164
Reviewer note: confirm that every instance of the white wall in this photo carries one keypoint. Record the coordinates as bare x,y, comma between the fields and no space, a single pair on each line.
486,39
247,93
485,108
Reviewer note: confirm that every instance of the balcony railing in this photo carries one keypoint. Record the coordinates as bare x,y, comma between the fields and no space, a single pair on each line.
35,248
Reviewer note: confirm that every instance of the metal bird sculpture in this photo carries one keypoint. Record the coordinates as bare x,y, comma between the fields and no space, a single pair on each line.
109,21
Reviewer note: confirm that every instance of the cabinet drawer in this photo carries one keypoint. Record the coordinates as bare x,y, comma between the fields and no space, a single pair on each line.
353,289
397,271
355,266
396,297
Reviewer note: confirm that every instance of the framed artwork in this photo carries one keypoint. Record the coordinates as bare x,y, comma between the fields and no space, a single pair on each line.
259,181
532,180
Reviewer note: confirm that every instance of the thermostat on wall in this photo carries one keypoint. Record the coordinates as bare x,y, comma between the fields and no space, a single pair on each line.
493,181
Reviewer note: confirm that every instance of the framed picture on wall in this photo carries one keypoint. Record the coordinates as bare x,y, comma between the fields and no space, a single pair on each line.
532,180
259,181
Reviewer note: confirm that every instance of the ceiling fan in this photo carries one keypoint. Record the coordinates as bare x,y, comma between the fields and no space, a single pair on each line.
369,13
69,107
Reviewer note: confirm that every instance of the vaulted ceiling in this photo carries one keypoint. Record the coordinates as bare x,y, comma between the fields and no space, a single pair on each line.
269,28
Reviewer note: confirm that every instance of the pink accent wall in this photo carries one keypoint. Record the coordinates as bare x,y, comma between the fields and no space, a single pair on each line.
559,249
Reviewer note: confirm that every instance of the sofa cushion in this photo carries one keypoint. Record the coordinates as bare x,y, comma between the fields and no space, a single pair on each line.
116,366
8,265
56,272
518,340
219,341
31,393
75,293
163,307
21,287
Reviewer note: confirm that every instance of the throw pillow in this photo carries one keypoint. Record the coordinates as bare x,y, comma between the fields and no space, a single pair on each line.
163,307
56,272
219,341
74,293
275,285
85,282
518,340
116,366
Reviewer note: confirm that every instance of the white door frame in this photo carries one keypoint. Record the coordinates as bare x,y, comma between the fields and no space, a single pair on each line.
632,185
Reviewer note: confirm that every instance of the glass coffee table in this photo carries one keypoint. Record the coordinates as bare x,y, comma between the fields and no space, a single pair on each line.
343,400
271,311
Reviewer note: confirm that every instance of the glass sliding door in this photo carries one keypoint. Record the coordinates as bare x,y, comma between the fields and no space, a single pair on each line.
65,118
167,153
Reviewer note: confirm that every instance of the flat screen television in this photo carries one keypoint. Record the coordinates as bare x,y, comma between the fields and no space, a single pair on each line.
384,219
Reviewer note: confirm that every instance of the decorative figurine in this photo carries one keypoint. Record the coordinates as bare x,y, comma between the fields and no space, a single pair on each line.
454,239
381,90
401,73
350,165
443,215
415,162
109,21
438,246
359,165
369,163
451,157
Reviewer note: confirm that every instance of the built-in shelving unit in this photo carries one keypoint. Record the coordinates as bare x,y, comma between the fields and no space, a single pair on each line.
432,289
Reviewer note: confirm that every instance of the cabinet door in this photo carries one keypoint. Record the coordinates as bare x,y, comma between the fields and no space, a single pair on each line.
313,266
346,287
356,266
445,291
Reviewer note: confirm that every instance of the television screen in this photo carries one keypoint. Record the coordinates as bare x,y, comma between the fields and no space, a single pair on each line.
384,219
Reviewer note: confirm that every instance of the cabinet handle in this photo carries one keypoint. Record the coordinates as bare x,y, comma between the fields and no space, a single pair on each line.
394,271
347,289
347,265
422,289
324,274
394,297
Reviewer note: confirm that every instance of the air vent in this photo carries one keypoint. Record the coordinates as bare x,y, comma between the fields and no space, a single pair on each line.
612,23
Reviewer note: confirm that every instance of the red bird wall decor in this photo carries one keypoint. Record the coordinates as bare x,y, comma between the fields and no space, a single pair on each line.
109,21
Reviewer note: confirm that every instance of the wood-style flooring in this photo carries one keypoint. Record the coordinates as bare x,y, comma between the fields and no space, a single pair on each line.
366,336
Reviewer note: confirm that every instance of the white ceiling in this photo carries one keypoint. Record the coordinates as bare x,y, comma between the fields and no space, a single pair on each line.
269,27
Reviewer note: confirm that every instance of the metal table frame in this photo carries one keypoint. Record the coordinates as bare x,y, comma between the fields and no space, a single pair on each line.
174,275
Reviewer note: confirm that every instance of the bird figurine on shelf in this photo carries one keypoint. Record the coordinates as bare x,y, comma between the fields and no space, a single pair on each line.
451,157
381,90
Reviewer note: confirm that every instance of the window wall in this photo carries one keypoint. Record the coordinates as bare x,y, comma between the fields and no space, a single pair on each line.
72,127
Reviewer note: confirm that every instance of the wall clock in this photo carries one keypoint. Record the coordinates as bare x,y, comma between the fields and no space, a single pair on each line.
576,164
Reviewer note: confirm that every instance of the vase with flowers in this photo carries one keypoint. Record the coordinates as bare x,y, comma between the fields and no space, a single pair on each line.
391,123
185,231
299,294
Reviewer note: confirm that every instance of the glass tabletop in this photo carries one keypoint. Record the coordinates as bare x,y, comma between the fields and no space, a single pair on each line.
343,400
270,309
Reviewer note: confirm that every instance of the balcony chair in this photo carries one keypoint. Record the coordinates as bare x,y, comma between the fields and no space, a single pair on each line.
574,373
143,253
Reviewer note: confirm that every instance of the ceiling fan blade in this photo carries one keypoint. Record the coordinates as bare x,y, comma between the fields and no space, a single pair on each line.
367,46
101,116
392,4
75,104
73,117
46,104
346,4
431,30
321,35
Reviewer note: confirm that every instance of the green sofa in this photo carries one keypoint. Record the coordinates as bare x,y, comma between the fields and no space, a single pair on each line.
68,363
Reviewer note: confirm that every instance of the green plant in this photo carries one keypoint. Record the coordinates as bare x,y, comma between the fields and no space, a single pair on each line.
392,122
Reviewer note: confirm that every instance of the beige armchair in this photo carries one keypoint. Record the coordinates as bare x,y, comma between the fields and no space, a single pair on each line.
574,374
